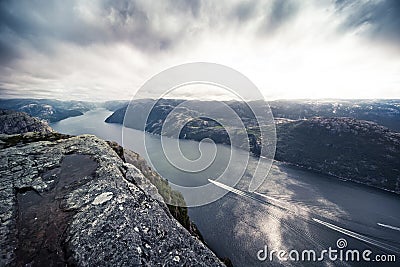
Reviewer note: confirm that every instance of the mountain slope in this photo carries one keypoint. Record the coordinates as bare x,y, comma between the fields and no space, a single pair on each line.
384,112
19,122
348,148
358,150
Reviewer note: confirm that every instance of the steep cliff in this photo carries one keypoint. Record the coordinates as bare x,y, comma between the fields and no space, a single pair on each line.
68,200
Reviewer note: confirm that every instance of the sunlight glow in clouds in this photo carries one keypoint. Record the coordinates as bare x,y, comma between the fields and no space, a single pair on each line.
98,50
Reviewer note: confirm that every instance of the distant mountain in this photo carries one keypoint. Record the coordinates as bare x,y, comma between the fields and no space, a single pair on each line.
360,150
20,122
383,112
47,109
113,105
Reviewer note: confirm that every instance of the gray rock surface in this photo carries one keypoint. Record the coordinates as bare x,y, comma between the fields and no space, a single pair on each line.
74,201
19,122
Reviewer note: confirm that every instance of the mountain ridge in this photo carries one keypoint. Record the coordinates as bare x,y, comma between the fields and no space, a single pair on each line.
348,148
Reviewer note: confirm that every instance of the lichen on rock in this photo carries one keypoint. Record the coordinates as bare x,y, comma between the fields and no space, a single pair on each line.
102,198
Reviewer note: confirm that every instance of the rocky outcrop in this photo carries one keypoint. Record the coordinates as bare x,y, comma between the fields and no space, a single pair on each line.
19,122
178,207
74,201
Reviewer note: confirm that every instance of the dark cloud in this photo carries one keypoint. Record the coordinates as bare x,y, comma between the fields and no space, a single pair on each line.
193,5
244,11
380,19
128,22
282,11
41,22
7,51
279,13
131,22
38,23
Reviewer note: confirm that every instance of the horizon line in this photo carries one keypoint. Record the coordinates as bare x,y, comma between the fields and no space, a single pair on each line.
205,100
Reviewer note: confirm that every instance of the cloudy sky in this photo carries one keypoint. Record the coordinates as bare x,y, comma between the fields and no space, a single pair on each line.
97,50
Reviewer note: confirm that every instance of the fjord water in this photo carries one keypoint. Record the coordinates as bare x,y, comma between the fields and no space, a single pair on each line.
285,213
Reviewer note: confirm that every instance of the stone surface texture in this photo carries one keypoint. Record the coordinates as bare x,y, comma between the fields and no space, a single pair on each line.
74,201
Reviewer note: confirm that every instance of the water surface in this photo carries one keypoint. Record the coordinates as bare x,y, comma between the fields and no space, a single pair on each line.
280,214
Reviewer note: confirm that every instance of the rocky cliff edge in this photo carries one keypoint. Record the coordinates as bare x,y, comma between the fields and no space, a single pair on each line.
73,201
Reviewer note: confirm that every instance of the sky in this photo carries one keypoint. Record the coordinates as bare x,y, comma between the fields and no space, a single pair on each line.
106,49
